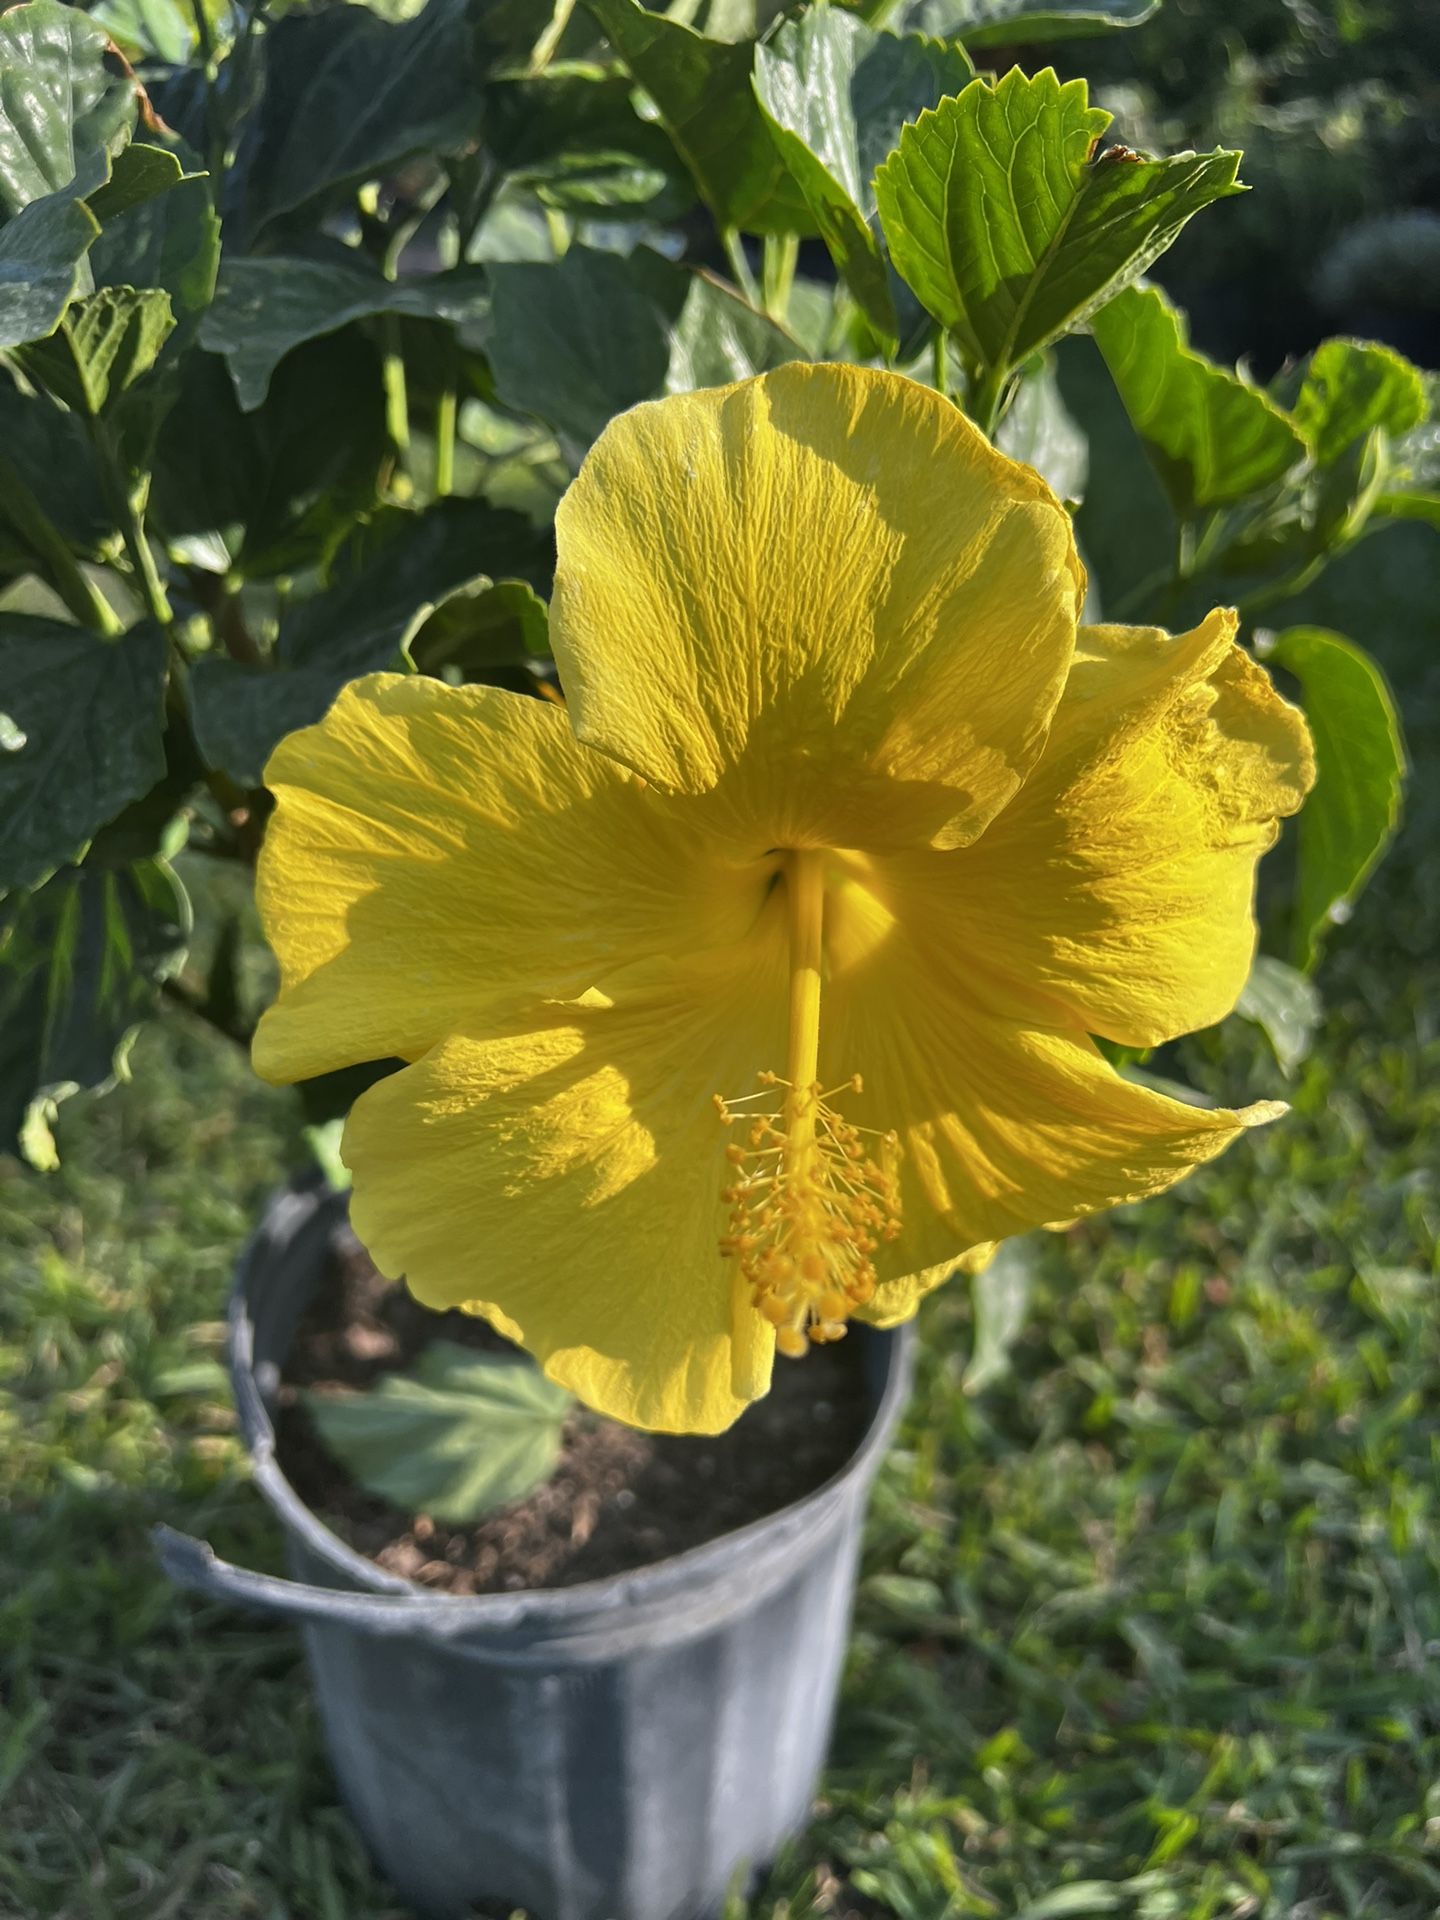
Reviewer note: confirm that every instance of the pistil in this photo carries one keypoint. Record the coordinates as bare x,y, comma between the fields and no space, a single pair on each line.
812,1195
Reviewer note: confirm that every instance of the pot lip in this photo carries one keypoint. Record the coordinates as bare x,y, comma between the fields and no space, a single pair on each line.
552,1606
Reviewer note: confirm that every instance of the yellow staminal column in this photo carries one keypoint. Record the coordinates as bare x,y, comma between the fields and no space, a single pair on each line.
809,1201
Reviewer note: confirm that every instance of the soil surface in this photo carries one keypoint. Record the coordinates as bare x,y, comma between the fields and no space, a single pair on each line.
619,1499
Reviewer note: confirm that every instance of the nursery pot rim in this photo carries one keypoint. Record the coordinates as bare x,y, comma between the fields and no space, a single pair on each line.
783,1527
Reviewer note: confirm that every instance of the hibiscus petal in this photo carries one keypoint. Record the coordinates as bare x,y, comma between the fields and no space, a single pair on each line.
1003,1127
439,851
564,1180
1115,893
821,595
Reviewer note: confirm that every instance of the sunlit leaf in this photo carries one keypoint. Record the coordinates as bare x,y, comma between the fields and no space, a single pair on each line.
1014,23
702,90
1347,388
1213,436
1007,228
104,345
1360,768
836,95
42,252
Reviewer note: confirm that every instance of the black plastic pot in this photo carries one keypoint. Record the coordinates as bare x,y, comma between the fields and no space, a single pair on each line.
617,1750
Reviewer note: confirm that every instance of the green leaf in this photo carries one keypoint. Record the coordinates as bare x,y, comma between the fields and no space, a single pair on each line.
576,342
137,173
1000,1302
1213,437
1040,430
836,95
703,93
462,1435
63,99
46,456
573,135
1284,1005
42,253
720,338
80,737
1007,229
297,473
267,306
81,960
172,243
103,346
349,97
480,632
1015,23
155,29
385,587
1360,769
1347,388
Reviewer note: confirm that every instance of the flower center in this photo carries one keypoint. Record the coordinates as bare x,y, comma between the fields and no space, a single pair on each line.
812,1195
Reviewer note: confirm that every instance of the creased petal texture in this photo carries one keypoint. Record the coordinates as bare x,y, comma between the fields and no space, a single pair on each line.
1004,1126
440,852
1115,893
821,597
562,1176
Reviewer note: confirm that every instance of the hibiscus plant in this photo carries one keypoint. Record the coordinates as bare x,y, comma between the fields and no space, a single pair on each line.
586,498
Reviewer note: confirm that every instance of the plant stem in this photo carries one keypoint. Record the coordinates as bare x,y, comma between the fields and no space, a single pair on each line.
445,412
51,550
397,398
126,503
781,250
940,362
735,253
987,390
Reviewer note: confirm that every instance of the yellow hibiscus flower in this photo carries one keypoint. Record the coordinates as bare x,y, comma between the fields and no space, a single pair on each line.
754,990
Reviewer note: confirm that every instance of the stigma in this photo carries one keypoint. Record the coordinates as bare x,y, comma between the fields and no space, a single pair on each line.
811,1199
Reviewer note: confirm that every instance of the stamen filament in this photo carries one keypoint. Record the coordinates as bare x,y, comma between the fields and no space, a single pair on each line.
810,1200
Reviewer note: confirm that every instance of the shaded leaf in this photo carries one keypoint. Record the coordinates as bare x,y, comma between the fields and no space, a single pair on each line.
1014,23
46,456
63,99
172,243
42,251
1284,1005
480,631
384,588
348,97
575,138
1007,229
1360,767
576,342
836,95
1039,429
267,306
80,737
297,472
459,1436
702,90
1213,437
81,960
1000,1302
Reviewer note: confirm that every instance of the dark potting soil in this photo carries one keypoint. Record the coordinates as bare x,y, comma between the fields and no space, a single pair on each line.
619,1499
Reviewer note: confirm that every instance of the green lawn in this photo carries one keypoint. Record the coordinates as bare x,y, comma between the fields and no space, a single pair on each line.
1150,1625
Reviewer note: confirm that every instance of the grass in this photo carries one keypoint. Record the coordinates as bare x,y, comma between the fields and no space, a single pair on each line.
1148,1626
